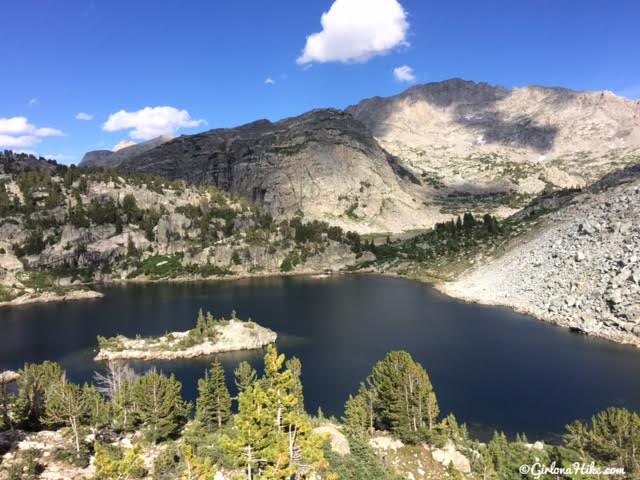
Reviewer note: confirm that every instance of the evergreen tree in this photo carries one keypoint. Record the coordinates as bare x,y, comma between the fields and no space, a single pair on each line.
98,409
33,383
612,438
404,401
359,415
124,406
196,468
201,325
65,405
270,435
245,376
294,365
213,407
130,465
5,407
159,405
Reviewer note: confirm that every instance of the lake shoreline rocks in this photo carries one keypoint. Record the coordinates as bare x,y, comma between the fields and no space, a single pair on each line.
232,335
51,297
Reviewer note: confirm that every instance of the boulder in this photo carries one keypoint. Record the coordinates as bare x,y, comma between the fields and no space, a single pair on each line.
10,263
450,455
339,443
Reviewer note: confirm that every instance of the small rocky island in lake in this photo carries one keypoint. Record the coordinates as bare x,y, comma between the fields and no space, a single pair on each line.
208,337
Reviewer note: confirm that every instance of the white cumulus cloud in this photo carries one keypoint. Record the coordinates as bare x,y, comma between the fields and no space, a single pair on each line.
151,122
356,30
404,74
84,116
269,81
17,132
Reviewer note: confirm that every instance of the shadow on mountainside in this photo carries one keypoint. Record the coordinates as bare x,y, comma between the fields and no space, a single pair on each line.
474,107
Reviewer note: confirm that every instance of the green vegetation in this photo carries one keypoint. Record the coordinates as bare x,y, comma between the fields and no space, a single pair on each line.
453,241
213,408
206,329
266,433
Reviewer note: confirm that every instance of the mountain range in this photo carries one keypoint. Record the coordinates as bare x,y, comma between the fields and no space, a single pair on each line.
408,161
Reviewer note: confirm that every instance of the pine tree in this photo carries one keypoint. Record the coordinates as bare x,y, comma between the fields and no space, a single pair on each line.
404,400
196,468
159,405
124,406
129,466
245,376
294,365
213,408
65,405
33,384
201,325
98,409
270,435
359,415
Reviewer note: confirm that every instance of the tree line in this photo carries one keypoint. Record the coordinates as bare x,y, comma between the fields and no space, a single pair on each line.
264,431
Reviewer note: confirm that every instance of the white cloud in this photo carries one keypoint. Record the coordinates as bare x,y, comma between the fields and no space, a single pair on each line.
17,132
84,116
404,74
151,122
356,30
33,101
122,144
269,81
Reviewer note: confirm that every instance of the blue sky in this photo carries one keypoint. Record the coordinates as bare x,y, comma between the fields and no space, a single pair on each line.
211,59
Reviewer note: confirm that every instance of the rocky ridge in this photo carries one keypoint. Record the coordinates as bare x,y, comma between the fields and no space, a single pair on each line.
490,146
60,232
114,158
287,166
406,162
580,269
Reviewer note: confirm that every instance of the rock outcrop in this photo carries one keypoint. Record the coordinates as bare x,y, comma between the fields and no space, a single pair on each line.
475,137
233,336
449,455
113,158
580,269
288,166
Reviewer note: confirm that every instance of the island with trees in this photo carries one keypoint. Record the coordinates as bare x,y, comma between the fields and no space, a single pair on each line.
209,336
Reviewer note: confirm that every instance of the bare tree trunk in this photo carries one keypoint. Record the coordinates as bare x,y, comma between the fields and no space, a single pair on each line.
249,462
74,426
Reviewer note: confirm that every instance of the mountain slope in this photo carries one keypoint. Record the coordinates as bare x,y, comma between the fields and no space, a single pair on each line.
580,269
324,164
409,161
473,137
113,158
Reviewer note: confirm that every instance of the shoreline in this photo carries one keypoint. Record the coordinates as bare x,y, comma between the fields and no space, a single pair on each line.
620,339
442,287
233,336
52,297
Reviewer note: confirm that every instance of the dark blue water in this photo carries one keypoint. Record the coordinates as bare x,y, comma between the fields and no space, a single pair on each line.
492,368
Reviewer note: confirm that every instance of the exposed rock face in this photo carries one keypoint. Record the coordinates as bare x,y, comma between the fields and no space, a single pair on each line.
8,376
113,158
324,163
449,455
581,269
473,136
339,442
